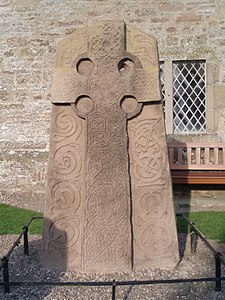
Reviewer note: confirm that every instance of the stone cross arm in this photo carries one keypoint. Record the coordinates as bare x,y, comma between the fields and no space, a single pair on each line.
69,85
114,57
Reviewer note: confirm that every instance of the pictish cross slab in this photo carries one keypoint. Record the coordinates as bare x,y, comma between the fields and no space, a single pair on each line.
107,211
104,88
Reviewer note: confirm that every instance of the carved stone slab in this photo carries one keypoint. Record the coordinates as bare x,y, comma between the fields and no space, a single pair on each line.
109,200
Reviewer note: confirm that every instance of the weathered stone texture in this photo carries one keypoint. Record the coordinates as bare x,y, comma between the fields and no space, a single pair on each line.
219,96
153,214
188,18
30,31
109,205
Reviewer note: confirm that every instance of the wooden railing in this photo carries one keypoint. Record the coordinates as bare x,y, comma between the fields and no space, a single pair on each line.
197,163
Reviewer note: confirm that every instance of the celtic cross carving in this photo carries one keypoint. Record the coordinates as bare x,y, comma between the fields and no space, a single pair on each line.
106,155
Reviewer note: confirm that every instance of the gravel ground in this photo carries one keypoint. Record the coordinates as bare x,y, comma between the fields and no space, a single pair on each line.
27,268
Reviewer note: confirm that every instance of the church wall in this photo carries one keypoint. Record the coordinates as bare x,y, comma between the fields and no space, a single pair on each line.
30,31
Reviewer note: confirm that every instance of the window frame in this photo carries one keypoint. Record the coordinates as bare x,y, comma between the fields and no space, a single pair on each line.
209,98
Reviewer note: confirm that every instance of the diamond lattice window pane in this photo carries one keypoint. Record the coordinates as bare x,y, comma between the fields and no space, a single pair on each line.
162,80
189,98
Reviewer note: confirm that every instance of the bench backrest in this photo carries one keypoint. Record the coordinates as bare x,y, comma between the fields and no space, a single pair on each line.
196,156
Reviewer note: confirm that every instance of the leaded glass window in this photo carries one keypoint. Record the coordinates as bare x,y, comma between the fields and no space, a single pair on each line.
188,99
189,103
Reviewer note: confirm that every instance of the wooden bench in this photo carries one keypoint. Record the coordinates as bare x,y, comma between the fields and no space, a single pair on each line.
197,163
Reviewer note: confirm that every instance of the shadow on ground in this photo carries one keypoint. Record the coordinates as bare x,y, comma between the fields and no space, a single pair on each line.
27,268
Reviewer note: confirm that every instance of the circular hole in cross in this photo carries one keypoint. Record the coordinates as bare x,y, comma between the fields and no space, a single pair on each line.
126,66
85,66
129,104
84,104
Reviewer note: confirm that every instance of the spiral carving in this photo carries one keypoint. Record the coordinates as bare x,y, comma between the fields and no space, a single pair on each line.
65,195
66,124
63,233
67,160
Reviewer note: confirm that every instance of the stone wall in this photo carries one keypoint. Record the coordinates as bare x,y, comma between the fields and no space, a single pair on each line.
30,31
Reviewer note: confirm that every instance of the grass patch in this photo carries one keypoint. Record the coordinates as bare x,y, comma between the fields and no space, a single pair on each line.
210,223
12,220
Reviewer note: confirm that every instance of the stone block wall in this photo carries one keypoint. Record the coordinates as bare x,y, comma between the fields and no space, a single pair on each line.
30,31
